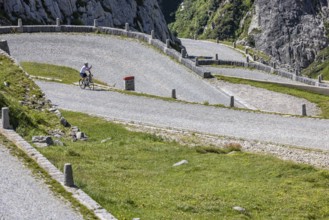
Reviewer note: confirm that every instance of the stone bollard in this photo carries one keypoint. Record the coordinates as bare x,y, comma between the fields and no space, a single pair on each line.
129,83
246,50
232,102
20,23
4,46
173,94
197,61
234,44
255,57
319,79
247,59
217,40
274,65
95,23
58,22
152,34
127,27
68,175
168,43
5,118
183,53
216,57
304,110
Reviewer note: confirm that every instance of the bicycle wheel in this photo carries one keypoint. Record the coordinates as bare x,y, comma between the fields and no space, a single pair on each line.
82,83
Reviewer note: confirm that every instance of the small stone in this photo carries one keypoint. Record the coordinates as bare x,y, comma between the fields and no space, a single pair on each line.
80,135
180,163
238,208
58,113
6,84
43,140
64,122
106,140
58,143
75,129
52,109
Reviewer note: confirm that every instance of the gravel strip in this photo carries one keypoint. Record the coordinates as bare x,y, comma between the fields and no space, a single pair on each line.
266,100
23,196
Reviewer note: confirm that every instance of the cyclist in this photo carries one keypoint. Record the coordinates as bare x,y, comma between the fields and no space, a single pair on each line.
83,70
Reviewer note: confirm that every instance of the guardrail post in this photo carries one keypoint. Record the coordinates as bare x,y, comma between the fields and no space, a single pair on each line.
232,102
95,23
304,110
127,27
5,118
173,94
4,46
68,175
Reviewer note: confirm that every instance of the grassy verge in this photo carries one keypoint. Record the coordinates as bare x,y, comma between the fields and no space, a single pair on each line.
131,175
52,184
66,74
321,101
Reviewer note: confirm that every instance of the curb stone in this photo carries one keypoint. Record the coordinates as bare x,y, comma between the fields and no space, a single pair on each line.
57,175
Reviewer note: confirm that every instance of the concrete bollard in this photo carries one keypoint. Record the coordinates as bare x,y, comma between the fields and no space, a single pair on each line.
20,23
232,102
304,110
129,83
247,59
4,46
247,50
217,40
234,44
197,61
68,175
58,22
319,79
216,57
168,43
183,53
127,27
5,118
152,34
95,23
173,94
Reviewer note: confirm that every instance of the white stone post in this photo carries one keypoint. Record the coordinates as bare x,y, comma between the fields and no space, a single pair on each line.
95,23
58,22
127,27
68,175
20,23
152,34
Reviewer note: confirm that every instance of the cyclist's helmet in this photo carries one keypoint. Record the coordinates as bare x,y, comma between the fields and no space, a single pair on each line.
86,63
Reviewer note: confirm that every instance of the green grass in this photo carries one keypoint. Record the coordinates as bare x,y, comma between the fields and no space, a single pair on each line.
132,175
66,74
322,101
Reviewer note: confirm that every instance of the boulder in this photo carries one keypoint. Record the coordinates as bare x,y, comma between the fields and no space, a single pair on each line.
42,141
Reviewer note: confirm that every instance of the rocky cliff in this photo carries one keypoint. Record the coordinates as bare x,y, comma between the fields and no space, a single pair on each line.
142,15
291,31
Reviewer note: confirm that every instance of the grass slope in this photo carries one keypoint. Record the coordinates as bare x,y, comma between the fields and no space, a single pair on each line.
132,175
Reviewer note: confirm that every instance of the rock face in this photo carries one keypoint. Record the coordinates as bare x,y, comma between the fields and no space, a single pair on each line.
142,15
291,31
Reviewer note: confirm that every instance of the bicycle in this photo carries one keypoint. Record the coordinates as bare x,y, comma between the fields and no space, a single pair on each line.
87,82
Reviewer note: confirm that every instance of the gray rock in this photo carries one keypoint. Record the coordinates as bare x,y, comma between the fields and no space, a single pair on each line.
64,122
47,140
81,136
238,208
58,143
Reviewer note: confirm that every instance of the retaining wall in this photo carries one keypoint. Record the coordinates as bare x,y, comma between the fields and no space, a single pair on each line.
264,68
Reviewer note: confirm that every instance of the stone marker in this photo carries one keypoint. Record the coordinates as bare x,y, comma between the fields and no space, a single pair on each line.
216,57
5,118
152,34
19,23
304,110
319,79
168,43
58,22
173,94
95,23
232,102
4,46
68,175
127,27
